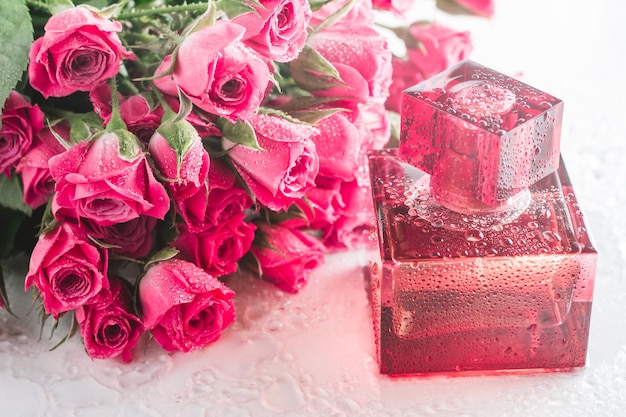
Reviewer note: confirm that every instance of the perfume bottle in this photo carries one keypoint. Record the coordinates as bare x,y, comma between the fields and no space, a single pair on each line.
483,260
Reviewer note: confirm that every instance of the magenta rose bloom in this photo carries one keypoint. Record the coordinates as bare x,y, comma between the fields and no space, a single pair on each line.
78,51
132,238
37,182
67,269
97,183
277,29
226,197
285,169
321,208
20,123
218,72
405,75
141,118
217,249
431,48
107,324
338,145
361,47
289,256
352,228
185,307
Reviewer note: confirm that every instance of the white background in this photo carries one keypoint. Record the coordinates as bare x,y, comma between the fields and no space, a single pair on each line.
312,354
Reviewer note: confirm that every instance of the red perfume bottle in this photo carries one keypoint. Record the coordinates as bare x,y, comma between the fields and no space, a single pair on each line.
484,262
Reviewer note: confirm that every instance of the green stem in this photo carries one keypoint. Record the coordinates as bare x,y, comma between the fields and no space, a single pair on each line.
116,122
193,7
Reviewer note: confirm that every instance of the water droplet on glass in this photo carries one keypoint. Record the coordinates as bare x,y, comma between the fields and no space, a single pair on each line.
436,239
474,235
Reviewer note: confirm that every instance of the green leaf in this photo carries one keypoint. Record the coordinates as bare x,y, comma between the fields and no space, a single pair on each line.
204,20
162,255
129,145
283,115
184,109
241,133
58,6
83,126
318,4
312,71
16,37
11,194
106,12
234,8
313,116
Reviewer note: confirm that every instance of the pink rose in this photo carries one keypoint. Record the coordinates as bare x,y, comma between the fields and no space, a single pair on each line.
183,161
277,29
33,167
351,94
433,47
78,51
185,307
405,75
226,197
322,206
285,169
107,324
217,249
20,122
141,118
185,168
97,183
132,238
217,72
362,48
338,144
289,256
352,228
67,270
398,6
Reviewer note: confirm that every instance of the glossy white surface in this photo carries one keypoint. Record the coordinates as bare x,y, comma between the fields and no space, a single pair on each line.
312,354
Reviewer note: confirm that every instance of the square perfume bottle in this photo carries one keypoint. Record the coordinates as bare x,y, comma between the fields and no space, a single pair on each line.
483,260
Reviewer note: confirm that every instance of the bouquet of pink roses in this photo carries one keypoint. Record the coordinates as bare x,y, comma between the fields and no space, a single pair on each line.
153,147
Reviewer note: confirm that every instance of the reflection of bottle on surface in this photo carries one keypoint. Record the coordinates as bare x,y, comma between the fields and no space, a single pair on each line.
484,260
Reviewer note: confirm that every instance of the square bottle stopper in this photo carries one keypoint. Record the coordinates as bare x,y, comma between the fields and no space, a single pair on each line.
481,135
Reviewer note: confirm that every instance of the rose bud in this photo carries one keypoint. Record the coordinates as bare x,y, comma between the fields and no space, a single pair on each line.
287,256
